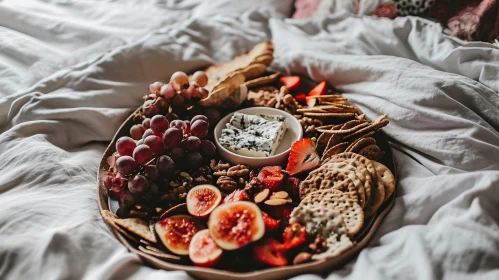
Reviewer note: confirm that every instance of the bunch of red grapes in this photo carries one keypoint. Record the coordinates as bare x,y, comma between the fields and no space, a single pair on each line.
158,150
178,93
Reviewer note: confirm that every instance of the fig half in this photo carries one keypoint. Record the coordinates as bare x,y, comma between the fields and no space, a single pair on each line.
202,199
235,224
203,251
176,232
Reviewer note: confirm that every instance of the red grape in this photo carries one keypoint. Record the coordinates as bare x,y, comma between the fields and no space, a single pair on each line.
180,124
155,87
137,131
177,100
213,115
200,78
203,93
155,143
123,212
171,117
127,199
200,117
180,80
165,165
196,93
142,154
194,159
167,91
140,142
126,165
125,146
152,195
148,132
187,93
199,128
192,143
159,124
138,185
151,172
187,130
146,123
208,149
177,154
172,137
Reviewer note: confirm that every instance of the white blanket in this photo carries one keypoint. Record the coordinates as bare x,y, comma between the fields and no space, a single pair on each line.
440,95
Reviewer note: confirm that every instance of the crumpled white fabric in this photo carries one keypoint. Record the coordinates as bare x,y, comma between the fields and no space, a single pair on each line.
443,130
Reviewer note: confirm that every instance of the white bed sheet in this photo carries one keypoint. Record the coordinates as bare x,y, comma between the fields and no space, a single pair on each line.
443,129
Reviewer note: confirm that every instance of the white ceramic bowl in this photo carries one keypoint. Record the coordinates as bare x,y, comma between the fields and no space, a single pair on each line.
293,133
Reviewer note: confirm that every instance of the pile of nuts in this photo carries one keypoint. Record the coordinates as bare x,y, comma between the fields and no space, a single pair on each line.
180,186
230,178
274,98
309,125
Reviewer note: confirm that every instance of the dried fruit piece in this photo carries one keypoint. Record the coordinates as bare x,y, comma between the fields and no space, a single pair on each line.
290,82
236,224
271,224
267,252
294,235
203,251
292,186
202,199
302,157
237,195
177,231
318,90
301,97
271,177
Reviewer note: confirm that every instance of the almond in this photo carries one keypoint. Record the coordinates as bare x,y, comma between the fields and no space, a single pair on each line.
276,202
280,194
261,196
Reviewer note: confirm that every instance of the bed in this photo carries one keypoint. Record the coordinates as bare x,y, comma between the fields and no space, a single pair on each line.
65,98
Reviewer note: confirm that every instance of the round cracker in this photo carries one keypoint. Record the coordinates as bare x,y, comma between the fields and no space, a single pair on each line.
319,220
385,175
326,178
358,161
377,196
350,209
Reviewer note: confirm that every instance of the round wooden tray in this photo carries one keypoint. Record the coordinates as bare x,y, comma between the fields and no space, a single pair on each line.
321,266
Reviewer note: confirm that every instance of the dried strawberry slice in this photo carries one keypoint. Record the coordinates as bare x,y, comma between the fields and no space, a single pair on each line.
237,195
290,82
319,89
302,157
293,236
271,177
271,224
267,252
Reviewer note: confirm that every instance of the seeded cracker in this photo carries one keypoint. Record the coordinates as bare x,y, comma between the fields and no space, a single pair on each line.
350,209
359,171
377,196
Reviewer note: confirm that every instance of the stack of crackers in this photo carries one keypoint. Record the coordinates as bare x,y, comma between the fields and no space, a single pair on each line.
228,83
338,196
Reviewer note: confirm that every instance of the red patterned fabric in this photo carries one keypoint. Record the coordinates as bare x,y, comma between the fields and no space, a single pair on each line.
469,19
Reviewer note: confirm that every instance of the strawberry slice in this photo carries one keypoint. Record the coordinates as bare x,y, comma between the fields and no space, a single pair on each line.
301,97
290,82
294,235
302,157
318,90
271,224
237,195
267,253
271,177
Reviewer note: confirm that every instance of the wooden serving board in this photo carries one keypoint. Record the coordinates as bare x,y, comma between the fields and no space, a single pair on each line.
320,266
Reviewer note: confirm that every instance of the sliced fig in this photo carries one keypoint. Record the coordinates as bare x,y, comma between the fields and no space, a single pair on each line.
235,224
203,251
176,232
202,199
